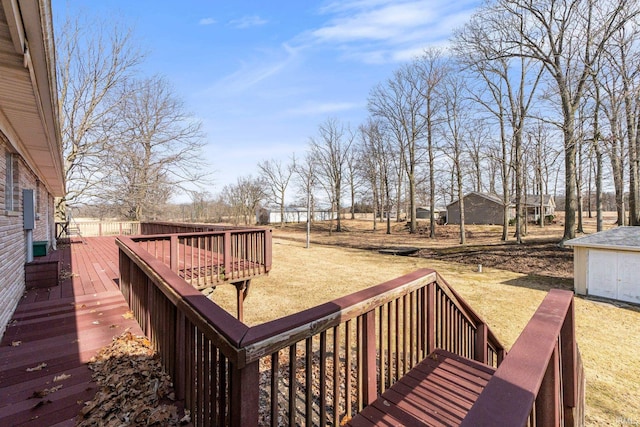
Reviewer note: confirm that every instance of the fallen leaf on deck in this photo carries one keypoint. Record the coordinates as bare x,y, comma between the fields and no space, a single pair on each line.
38,394
41,403
61,377
15,343
96,322
128,315
37,368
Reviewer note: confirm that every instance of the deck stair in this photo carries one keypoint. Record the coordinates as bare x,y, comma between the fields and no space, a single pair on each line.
439,391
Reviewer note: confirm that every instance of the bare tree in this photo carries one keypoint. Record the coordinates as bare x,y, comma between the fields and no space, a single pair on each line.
456,108
244,198
199,205
510,87
353,177
330,151
156,149
610,88
306,172
432,68
376,164
276,177
399,104
625,60
93,61
568,37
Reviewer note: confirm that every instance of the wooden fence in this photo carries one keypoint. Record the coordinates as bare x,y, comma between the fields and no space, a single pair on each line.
311,368
97,228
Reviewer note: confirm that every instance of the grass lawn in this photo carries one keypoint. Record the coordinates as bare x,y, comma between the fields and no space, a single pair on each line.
608,336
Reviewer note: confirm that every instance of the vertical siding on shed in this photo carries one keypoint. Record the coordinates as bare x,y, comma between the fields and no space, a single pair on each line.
580,270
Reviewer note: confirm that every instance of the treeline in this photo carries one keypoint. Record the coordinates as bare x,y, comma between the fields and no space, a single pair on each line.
531,98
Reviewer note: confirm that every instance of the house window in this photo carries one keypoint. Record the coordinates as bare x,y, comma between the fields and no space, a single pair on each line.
11,183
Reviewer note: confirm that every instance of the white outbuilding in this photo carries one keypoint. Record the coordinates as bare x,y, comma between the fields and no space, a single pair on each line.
607,264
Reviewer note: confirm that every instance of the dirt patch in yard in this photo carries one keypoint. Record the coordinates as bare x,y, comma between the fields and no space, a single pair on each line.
543,258
539,254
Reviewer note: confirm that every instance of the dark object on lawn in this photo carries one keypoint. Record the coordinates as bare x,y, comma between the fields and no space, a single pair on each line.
399,251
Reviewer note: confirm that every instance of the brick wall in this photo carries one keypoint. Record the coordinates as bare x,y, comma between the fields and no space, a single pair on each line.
13,251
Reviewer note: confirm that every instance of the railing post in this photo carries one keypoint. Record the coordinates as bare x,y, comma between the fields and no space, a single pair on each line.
481,350
548,401
370,387
268,250
173,253
100,229
245,387
569,352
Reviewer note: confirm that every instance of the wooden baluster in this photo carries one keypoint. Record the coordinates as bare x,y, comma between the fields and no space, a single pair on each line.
173,253
275,380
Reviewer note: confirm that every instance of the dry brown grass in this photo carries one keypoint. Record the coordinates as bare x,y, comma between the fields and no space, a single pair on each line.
608,336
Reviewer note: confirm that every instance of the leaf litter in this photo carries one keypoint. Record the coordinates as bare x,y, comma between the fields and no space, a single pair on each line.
133,389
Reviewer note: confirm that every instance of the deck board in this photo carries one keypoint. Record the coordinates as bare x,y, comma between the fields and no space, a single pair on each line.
439,391
63,326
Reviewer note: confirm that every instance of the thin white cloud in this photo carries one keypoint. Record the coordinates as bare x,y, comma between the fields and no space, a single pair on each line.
380,31
252,73
322,108
248,22
207,21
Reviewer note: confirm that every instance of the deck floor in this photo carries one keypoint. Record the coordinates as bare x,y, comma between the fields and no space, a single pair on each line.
439,391
55,331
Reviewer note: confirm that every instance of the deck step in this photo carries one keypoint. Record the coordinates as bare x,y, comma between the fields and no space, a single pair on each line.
439,391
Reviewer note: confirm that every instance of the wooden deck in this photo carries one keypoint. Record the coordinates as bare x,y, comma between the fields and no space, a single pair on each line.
439,391
55,331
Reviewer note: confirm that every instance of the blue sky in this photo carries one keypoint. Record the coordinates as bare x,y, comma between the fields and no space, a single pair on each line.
262,75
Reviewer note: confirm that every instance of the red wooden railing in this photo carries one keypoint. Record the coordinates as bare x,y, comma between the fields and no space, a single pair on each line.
311,368
209,258
160,227
541,380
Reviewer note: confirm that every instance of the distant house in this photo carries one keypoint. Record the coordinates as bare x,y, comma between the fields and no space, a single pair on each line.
31,170
292,214
532,206
606,264
424,213
479,208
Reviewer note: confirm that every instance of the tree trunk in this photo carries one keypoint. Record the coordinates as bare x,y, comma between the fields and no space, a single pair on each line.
463,236
570,180
412,201
599,220
580,228
518,174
